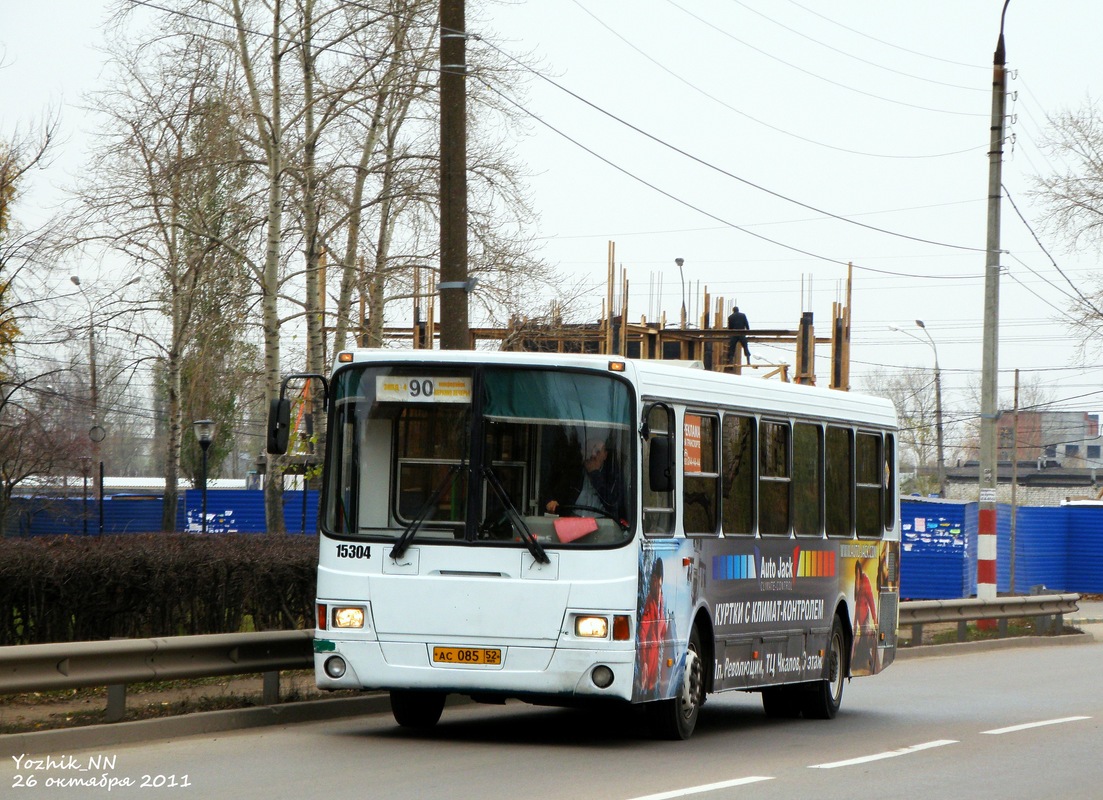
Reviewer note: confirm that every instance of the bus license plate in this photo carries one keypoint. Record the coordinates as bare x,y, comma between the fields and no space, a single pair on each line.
467,655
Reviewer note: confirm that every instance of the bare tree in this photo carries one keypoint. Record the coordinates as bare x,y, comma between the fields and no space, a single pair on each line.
912,392
35,440
19,248
168,192
1072,207
332,107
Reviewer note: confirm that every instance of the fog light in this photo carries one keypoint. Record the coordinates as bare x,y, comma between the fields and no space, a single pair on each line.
602,676
335,667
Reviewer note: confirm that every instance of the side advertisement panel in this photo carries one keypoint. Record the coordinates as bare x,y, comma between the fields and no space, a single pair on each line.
772,604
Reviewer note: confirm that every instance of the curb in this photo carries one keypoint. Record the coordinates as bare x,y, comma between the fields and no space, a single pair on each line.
959,648
202,722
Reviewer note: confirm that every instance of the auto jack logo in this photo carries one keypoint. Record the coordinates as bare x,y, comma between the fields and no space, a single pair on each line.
775,573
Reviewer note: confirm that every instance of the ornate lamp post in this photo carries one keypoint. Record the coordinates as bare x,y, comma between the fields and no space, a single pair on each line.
204,432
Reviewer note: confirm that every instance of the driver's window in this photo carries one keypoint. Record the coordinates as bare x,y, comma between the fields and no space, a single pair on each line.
507,452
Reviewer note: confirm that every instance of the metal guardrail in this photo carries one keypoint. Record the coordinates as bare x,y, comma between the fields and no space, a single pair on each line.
1044,607
118,662
115,663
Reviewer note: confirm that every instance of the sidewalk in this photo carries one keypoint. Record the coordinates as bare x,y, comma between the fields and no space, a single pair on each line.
1089,613
1088,617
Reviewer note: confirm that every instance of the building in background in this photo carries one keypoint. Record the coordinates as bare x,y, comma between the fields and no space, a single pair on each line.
1058,460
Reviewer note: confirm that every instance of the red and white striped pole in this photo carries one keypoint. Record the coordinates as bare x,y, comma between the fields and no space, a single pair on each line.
986,521
986,549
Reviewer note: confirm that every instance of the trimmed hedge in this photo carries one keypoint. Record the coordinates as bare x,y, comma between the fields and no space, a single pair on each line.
62,588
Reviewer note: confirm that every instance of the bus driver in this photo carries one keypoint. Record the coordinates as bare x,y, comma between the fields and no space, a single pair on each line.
592,488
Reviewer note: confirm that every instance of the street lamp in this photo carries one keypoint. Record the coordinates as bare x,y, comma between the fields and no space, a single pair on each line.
937,403
679,262
204,432
937,411
86,470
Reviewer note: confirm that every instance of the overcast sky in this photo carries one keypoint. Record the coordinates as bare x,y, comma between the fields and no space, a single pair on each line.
749,137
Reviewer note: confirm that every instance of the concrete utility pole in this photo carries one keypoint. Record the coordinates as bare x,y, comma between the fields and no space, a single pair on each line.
986,522
455,333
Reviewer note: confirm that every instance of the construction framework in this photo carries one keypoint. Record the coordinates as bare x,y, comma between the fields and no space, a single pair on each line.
708,342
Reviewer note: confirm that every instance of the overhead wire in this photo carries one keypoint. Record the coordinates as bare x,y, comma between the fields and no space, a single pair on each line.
848,54
821,77
1079,295
703,162
985,67
761,122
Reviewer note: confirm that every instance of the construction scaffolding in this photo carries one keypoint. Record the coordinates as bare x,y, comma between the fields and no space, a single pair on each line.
708,343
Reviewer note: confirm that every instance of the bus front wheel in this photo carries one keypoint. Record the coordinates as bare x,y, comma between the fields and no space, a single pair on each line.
677,717
413,709
825,696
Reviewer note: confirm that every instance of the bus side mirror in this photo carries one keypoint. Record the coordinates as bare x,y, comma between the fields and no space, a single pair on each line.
660,465
279,425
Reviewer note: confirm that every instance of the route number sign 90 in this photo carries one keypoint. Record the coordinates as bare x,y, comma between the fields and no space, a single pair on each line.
422,389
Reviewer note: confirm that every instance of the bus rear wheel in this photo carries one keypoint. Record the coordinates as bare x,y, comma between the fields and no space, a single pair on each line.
677,717
824,697
413,709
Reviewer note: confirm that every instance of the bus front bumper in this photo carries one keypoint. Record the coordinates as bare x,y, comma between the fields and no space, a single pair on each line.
524,670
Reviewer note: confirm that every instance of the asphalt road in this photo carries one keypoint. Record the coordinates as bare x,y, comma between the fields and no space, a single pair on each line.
1020,722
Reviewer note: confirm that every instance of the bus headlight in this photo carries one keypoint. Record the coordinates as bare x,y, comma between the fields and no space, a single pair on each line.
591,627
348,617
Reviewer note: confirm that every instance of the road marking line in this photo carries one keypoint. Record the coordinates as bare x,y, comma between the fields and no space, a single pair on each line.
1029,725
903,751
708,787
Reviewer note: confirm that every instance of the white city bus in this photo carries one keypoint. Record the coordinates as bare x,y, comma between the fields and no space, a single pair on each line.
569,529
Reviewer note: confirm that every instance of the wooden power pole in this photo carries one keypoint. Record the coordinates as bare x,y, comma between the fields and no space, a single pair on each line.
455,333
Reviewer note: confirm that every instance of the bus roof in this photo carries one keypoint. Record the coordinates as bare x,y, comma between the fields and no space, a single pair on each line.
676,381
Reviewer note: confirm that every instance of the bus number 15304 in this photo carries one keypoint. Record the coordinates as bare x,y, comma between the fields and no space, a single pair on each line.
353,551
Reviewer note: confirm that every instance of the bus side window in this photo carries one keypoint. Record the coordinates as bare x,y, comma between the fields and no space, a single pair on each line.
869,469
658,500
700,488
838,492
889,487
774,478
807,479
739,474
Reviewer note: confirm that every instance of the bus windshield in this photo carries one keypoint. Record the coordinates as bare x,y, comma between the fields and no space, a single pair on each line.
504,456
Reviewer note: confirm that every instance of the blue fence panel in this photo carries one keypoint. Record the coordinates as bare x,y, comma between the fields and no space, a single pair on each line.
1041,549
933,558
228,511
242,511
41,516
1085,549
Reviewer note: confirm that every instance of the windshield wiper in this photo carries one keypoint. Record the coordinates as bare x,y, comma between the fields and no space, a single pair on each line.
412,529
515,517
